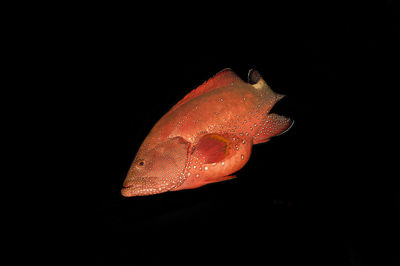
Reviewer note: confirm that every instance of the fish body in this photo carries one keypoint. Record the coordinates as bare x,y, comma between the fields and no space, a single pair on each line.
206,136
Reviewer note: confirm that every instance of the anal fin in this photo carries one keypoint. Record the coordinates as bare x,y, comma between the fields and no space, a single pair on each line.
261,139
220,179
272,125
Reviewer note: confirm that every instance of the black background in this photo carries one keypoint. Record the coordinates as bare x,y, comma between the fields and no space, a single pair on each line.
317,194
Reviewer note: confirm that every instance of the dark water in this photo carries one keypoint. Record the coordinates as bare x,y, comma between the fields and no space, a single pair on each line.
316,195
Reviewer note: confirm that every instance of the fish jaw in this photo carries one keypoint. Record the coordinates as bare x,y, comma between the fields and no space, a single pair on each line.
133,188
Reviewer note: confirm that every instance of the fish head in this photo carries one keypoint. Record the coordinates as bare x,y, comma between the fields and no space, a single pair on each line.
158,169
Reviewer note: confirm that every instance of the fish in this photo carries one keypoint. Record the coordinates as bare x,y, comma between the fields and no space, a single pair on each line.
207,136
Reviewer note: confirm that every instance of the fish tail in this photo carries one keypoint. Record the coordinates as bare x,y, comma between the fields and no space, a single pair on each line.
255,79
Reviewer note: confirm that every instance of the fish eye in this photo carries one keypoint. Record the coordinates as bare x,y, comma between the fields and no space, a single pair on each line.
141,163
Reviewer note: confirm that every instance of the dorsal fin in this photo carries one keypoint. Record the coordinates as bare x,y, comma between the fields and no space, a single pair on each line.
223,78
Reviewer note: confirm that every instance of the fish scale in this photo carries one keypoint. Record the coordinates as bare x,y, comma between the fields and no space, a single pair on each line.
207,136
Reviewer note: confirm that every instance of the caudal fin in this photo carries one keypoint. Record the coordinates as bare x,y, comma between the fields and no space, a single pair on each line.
272,125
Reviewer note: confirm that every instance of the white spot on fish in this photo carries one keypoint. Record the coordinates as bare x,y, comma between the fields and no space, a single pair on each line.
242,157
205,168
223,163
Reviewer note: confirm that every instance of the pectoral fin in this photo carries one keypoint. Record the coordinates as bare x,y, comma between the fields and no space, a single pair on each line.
213,148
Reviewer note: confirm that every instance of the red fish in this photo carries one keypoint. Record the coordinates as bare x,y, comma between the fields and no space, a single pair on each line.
206,136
